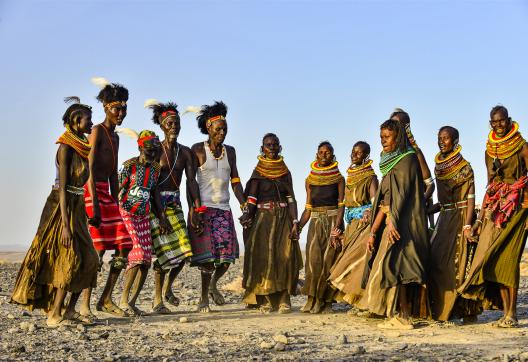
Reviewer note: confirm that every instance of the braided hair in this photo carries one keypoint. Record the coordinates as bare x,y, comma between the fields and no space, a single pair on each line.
402,141
75,110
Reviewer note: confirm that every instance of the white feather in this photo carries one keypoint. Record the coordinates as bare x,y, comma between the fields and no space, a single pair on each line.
100,82
150,102
191,109
128,132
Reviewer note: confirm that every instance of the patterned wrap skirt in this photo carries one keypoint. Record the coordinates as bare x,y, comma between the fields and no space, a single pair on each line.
170,249
218,243
112,233
139,229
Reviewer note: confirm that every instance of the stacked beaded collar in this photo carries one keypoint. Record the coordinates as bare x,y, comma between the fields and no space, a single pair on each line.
321,176
450,166
390,159
356,174
507,146
80,145
271,169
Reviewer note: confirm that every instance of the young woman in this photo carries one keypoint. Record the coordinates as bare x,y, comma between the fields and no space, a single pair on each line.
360,190
398,234
61,258
272,254
325,191
501,225
451,252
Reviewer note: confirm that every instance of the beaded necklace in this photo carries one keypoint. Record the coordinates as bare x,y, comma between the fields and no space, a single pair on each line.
271,169
212,152
320,176
356,174
450,166
505,147
80,145
390,159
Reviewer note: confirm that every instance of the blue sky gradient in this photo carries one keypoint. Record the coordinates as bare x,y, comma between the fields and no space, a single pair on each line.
306,70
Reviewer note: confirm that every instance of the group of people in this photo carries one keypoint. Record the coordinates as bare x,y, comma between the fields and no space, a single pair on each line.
373,244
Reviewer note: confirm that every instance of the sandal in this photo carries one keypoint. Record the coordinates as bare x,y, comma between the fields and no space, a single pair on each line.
284,309
217,298
265,309
172,300
498,322
61,322
112,309
79,318
509,322
161,309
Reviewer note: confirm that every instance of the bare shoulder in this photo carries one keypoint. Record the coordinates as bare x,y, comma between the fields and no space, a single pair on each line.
197,147
230,150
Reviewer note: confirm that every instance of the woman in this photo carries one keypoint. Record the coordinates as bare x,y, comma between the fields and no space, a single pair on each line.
403,117
61,258
398,234
501,225
325,191
273,256
451,253
360,190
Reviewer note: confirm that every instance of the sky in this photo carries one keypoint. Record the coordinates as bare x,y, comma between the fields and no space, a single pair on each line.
305,70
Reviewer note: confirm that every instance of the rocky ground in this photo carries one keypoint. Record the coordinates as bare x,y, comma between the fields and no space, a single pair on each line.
232,332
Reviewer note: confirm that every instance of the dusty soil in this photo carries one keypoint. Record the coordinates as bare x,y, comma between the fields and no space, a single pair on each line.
232,332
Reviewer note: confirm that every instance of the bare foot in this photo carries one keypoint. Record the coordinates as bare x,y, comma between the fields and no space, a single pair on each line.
265,308
203,306
218,298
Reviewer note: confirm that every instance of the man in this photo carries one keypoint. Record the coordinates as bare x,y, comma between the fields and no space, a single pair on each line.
101,202
215,245
173,249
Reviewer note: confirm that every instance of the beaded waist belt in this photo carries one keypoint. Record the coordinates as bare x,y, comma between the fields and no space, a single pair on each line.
324,210
271,205
454,206
75,190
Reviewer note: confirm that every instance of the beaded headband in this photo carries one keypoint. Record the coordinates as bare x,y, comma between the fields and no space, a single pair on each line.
167,114
214,119
115,103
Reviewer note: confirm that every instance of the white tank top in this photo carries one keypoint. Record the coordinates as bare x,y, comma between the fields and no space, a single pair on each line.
213,179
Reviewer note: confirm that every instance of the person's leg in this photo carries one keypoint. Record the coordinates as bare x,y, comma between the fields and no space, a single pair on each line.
220,270
54,315
138,285
159,279
85,309
130,277
169,296
403,303
284,302
105,302
505,296
512,310
206,273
